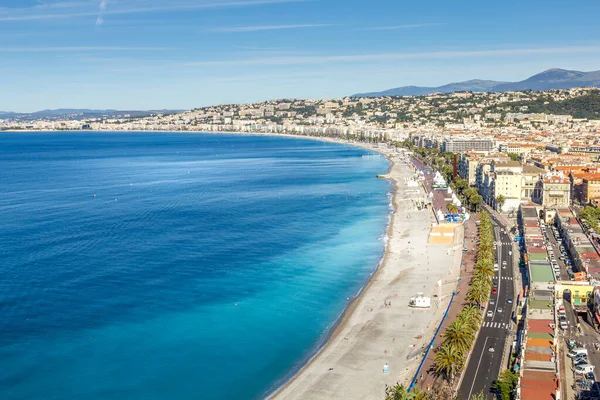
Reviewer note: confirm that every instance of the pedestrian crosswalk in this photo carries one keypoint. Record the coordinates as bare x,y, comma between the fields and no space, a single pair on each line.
507,278
503,243
499,325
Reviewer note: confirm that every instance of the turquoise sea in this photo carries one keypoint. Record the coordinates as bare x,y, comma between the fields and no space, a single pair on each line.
177,266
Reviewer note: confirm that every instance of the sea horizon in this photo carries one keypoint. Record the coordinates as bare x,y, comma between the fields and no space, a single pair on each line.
208,265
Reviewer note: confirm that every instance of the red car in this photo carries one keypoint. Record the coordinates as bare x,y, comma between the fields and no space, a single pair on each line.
494,291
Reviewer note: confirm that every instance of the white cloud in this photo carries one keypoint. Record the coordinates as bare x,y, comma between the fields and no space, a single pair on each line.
358,58
76,49
237,29
397,27
102,7
76,10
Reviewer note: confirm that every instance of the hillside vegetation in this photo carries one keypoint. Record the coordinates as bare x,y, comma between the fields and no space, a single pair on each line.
586,106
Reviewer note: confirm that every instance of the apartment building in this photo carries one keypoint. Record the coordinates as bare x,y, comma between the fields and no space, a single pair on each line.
467,167
590,187
507,183
461,145
556,190
531,184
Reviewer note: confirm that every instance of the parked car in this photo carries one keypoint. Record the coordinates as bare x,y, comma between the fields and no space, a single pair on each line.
490,314
577,351
584,369
494,290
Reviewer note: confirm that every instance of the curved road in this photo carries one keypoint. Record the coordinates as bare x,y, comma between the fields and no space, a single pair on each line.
484,365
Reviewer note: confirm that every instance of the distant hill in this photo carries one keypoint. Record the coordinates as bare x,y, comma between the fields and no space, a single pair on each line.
586,106
551,79
79,114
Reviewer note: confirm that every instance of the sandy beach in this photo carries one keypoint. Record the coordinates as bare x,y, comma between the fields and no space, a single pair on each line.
371,333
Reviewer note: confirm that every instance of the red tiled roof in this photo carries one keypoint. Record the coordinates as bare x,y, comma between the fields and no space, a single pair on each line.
539,326
538,385
591,256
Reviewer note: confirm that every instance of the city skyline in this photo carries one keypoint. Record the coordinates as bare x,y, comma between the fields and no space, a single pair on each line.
184,54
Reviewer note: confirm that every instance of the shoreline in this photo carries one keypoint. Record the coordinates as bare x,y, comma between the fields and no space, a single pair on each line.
309,369
314,375
343,318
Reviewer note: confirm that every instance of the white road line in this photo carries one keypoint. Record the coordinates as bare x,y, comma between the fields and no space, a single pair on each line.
499,254
477,370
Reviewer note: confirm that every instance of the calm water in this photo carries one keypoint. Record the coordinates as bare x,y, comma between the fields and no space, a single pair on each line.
174,266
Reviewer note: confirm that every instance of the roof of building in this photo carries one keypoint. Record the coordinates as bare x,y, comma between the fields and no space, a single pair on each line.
532,169
510,163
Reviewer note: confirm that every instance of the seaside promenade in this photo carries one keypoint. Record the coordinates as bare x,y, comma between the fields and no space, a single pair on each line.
427,378
379,328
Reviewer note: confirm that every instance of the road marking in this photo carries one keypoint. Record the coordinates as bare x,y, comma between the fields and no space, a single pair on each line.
478,365
499,254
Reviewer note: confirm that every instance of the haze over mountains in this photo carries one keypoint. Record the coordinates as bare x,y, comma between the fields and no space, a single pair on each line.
550,79
76,114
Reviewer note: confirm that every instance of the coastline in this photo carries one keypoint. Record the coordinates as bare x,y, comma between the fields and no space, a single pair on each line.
314,380
311,380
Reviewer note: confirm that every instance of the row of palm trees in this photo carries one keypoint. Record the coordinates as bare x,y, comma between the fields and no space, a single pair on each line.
460,335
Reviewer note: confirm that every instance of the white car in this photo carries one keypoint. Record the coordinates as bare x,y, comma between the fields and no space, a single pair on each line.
499,310
490,314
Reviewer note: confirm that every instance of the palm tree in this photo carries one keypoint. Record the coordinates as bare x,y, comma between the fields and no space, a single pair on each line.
459,335
485,269
399,392
472,313
478,396
500,200
448,361
452,208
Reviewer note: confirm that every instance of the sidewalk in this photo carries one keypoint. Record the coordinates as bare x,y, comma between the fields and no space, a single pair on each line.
427,378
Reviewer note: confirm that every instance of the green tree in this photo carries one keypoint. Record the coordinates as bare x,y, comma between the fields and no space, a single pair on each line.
500,200
452,208
459,335
505,384
476,201
514,156
448,361
400,392
478,396
460,185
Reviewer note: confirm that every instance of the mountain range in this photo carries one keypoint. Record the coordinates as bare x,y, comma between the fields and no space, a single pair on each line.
550,79
77,114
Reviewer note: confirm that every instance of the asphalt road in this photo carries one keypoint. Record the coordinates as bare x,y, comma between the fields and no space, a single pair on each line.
485,365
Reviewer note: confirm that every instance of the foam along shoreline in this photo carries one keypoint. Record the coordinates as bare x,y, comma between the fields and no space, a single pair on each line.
371,334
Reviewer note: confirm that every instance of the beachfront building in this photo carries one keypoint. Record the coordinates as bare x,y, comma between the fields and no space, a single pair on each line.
467,166
464,144
507,182
556,190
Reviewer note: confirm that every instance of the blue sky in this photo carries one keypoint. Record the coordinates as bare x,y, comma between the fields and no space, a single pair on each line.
180,54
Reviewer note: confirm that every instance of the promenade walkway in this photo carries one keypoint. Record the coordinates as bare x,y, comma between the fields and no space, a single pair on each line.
427,377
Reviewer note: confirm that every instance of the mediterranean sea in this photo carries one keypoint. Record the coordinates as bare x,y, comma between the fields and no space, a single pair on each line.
177,266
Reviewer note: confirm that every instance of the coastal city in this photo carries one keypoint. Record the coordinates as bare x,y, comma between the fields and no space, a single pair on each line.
512,179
